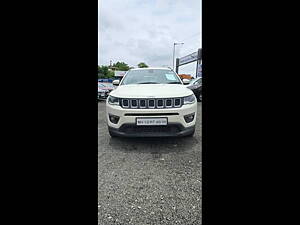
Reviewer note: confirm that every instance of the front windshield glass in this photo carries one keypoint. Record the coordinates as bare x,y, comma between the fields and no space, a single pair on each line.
151,76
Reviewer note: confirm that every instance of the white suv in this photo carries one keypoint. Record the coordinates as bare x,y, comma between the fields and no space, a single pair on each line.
151,102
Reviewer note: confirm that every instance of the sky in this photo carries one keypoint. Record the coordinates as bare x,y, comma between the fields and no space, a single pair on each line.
134,31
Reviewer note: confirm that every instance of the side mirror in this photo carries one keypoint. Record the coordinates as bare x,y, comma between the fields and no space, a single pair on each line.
116,82
185,81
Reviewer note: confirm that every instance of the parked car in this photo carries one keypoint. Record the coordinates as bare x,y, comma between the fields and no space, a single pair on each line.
101,92
108,86
196,86
104,89
151,102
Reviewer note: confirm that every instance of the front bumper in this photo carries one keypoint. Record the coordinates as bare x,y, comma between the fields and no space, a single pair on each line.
171,130
126,126
102,95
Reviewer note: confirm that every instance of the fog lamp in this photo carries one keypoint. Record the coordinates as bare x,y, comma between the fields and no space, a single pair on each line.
114,119
189,118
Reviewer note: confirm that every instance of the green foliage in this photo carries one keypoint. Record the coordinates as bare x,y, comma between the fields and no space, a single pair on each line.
142,65
104,72
121,66
108,71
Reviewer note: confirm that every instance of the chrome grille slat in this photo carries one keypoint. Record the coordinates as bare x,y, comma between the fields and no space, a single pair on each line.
157,105
131,105
151,107
169,106
177,105
127,103
140,105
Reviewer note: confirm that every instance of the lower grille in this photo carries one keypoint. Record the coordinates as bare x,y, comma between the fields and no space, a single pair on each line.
151,114
132,129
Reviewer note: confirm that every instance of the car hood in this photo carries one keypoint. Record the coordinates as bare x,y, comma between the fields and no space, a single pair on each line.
151,91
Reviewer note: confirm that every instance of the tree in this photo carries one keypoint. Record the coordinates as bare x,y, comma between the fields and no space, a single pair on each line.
104,72
121,66
142,65
107,71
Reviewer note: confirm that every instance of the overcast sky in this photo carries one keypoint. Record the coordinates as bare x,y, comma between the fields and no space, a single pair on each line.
135,31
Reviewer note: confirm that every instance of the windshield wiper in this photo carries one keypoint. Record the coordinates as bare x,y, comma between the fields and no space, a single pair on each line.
148,83
174,82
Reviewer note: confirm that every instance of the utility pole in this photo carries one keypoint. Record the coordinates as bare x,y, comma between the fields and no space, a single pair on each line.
177,65
199,58
174,51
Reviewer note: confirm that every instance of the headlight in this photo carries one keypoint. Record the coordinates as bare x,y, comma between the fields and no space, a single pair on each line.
189,99
113,100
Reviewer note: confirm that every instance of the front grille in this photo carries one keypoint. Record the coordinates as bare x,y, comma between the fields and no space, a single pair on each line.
151,103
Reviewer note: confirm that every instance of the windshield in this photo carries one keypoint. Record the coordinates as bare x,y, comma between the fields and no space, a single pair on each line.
151,76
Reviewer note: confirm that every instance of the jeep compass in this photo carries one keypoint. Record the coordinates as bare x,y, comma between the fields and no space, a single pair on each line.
151,102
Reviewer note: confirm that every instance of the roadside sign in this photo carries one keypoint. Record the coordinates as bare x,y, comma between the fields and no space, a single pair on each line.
193,57
120,73
189,58
105,80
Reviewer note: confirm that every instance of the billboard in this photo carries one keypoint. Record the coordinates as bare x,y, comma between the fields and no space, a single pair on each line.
120,73
189,58
105,80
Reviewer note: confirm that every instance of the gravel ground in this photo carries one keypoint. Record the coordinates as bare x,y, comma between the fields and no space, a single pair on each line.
149,180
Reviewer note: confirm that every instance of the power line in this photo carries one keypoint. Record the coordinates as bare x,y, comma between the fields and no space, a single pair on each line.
191,36
188,51
190,45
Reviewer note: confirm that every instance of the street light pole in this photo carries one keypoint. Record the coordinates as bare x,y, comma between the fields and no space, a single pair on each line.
173,54
174,51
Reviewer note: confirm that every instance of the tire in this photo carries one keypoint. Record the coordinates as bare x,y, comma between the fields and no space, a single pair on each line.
191,134
111,134
199,98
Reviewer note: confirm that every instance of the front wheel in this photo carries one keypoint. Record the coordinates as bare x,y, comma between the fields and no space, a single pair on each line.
191,134
111,134
199,98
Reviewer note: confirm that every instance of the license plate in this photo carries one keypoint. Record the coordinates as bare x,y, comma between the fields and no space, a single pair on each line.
151,121
102,94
